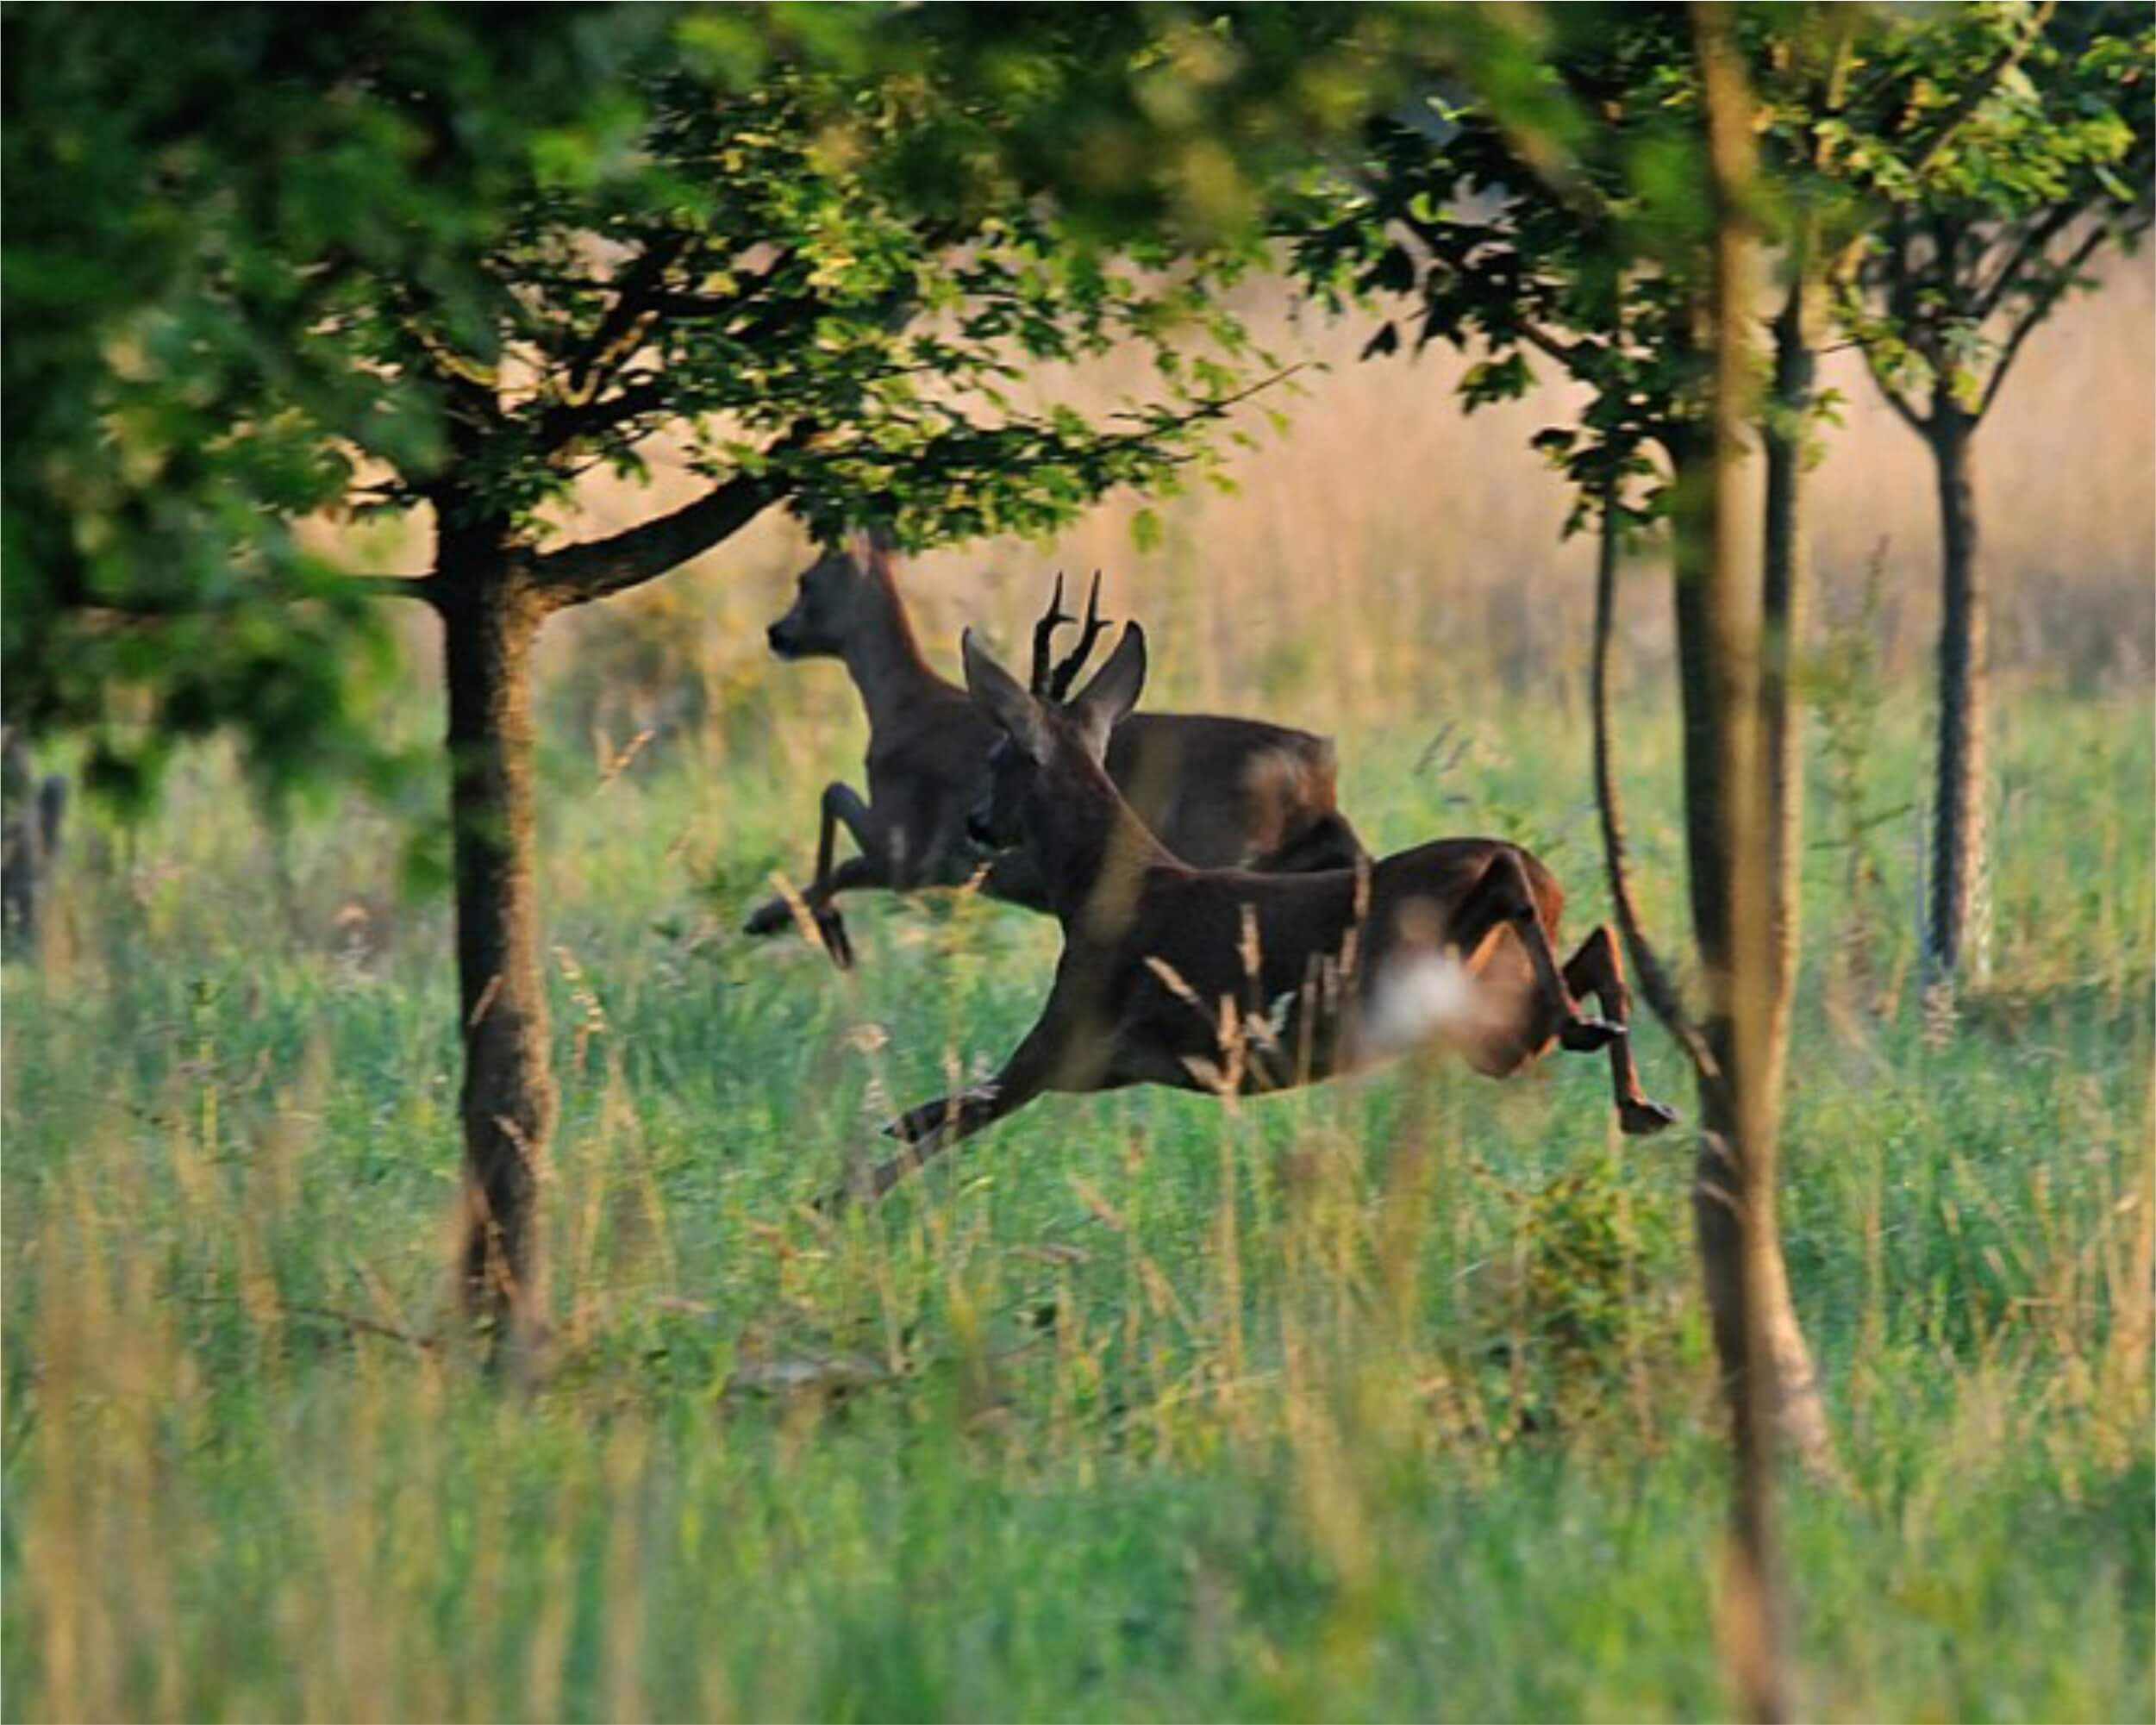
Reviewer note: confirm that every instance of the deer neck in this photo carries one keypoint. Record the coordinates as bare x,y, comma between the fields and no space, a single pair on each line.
1094,856
884,660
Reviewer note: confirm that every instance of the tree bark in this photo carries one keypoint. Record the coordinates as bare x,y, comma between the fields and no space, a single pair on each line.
1703,698
1958,937
31,811
1785,591
491,613
1734,1204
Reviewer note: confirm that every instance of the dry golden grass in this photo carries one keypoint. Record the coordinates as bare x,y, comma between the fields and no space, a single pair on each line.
1391,554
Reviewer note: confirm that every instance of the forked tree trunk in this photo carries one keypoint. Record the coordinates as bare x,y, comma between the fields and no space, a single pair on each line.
1958,937
491,617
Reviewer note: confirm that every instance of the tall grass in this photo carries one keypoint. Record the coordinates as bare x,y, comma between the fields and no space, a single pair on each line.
1388,1399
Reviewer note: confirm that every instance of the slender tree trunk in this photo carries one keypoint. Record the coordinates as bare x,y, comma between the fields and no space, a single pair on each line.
1784,592
1655,985
31,811
1958,937
1739,1237
1802,1421
491,617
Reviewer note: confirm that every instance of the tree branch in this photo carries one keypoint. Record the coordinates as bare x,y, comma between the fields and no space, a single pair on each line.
1980,88
566,422
579,573
2038,309
2035,241
161,608
1564,353
1900,402
562,423
390,586
1212,408
621,326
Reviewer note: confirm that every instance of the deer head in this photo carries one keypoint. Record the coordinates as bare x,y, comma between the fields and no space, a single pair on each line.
840,593
1049,751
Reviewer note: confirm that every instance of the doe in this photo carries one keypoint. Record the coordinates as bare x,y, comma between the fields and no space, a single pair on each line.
1215,791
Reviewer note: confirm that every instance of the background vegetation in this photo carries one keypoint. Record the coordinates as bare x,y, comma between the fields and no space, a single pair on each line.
1432,1435
1390,1399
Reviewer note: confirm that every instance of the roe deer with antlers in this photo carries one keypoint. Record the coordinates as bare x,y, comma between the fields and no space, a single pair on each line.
1231,981
1215,792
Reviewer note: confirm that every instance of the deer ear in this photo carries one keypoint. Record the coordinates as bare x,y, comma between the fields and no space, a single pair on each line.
870,548
1002,699
1106,701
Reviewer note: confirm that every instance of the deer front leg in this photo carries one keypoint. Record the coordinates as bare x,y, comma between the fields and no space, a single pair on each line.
1596,969
777,913
841,805
929,1128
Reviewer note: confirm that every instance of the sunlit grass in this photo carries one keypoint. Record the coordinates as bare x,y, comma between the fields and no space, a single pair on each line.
1389,1399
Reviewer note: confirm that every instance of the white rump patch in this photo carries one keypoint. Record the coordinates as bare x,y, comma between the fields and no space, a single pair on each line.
1418,995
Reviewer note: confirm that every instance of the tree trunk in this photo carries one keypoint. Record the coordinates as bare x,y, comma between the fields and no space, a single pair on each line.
1802,1422
30,815
1959,910
1785,591
491,618
1749,969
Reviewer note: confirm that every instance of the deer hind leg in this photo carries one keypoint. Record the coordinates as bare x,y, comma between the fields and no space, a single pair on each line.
1596,969
1501,898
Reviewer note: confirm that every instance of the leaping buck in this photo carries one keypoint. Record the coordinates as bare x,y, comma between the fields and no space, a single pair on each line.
1216,792
1228,980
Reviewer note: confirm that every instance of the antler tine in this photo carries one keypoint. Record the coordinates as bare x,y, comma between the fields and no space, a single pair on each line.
1095,625
1044,636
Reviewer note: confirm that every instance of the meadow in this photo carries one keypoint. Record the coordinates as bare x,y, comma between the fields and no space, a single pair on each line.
1389,1399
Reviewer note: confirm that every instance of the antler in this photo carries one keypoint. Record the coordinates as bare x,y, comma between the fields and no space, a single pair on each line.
1095,625
1043,637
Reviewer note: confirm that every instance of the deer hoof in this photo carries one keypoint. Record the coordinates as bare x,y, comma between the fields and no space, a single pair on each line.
1585,1035
836,940
1640,1118
769,917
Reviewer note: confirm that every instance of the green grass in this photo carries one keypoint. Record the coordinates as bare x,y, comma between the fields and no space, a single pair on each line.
1390,1399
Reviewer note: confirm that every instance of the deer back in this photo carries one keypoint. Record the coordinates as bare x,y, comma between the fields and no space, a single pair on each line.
1227,793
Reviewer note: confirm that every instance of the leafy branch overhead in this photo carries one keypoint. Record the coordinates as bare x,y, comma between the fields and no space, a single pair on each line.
819,256
1577,269
1961,167
1975,245
772,280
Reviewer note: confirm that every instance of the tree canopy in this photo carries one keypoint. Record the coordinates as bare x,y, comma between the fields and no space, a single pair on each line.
2051,158
261,267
